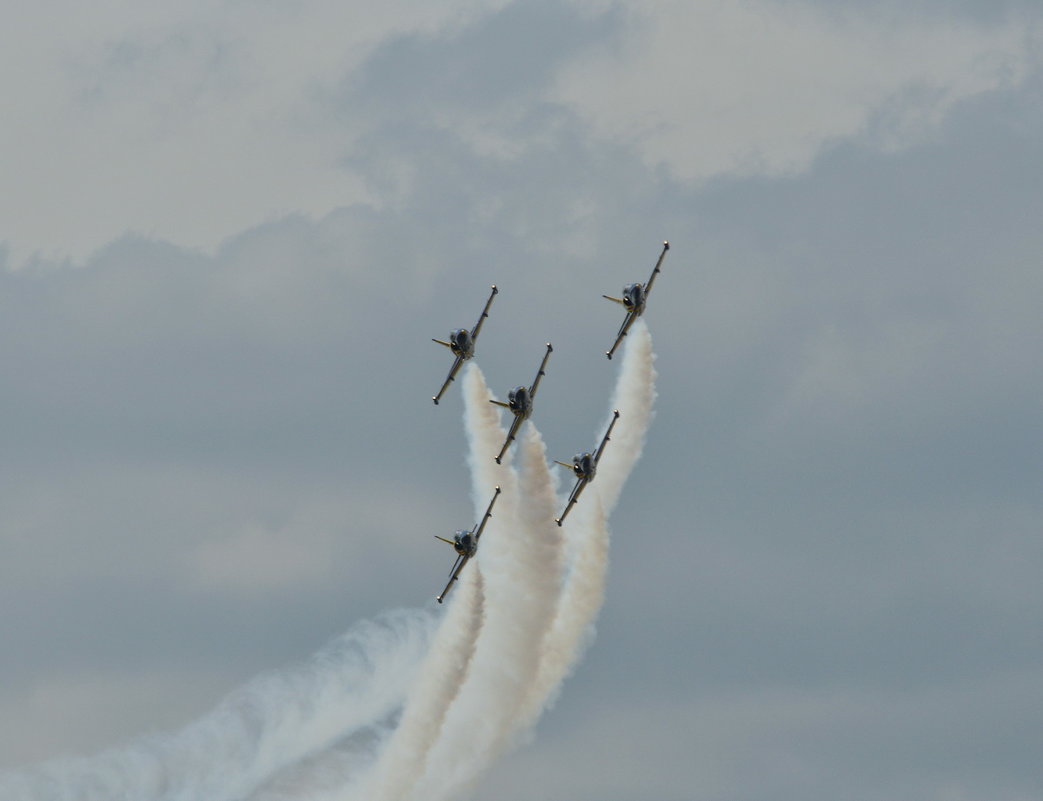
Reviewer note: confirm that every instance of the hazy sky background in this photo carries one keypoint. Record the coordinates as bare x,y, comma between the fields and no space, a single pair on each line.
229,231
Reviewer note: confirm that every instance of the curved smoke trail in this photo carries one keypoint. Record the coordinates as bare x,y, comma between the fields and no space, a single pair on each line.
274,721
445,668
586,529
516,626
442,672
536,516
519,603
586,553
500,709
634,396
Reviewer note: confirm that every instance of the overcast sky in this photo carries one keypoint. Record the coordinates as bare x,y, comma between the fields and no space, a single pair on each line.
228,232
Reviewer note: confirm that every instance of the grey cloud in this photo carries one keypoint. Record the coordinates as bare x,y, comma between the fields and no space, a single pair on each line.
827,562
502,59
983,12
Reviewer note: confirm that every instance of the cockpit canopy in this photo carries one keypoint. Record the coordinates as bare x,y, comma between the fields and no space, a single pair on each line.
518,399
460,341
583,465
464,543
633,296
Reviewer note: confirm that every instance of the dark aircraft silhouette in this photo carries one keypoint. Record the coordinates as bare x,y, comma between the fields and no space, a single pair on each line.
466,545
519,401
585,465
634,298
461,343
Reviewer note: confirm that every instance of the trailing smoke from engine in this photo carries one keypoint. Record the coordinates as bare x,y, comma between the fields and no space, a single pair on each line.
469,685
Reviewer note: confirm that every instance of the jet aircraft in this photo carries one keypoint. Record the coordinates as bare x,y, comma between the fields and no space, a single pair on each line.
461,343
585,465
519,401
466,545
634,298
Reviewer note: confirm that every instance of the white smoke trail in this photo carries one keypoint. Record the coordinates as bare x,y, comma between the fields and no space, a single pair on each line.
511,635
538,518
388,769
485,436
521,582
452,651
586,555
274,721
404,755
497,716
404,758
536,515
440,677
634,396
323,777
586,530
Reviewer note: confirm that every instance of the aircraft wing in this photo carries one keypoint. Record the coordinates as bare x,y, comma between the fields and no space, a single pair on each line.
515,425
488,514
452,375
623,329
485,313
581,483
453,576
604,439
655,271
540,373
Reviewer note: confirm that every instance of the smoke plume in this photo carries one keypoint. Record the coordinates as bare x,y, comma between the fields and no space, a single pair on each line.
465,688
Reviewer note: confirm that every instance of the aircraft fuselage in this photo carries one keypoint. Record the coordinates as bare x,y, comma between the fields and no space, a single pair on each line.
634,298
464,543
583,466
461,343
520,402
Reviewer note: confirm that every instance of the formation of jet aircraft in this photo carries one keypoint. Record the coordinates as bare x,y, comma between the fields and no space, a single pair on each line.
519,403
